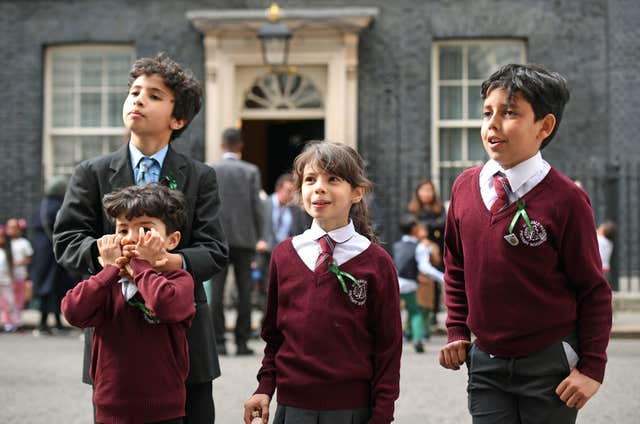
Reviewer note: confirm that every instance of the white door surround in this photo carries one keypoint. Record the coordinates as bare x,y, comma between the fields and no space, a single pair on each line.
323,49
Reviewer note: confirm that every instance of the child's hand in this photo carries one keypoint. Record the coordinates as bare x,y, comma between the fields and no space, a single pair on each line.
257,401
150,247
109,249
454,354
577,389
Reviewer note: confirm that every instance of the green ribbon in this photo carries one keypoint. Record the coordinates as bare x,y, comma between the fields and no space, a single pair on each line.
145,311
521,212
341,274
169,181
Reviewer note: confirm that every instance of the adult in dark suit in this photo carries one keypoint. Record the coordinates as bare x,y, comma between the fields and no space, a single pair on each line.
51,281
281,219
241,217
163,98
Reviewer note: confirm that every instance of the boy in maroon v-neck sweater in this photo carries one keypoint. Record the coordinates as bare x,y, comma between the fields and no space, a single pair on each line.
522,265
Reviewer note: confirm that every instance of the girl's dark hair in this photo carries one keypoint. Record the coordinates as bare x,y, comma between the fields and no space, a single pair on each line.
546,91
186,89
7,251
415,205
343,161
149,200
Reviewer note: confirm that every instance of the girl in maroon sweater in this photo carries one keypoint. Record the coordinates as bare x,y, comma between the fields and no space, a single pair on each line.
332,325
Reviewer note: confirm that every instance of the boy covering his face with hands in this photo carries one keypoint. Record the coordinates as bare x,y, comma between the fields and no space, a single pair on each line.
140,358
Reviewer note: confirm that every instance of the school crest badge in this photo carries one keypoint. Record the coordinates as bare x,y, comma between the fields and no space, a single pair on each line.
358,293
533,238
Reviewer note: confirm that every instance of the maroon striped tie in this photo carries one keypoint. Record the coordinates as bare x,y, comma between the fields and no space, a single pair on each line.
326,256
501,185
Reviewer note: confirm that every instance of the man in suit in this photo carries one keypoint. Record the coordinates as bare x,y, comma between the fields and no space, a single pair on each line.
241,217
163,98
281,219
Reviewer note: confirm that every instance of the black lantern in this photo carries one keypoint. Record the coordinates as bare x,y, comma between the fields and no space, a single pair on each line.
274,37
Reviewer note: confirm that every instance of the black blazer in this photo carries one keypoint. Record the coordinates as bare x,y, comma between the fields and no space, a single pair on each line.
82,221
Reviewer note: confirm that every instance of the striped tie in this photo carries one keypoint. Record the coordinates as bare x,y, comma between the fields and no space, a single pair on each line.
145,175
326,255
501,185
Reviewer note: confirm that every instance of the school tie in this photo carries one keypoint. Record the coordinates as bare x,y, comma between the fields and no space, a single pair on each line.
501,186
326,255
145,171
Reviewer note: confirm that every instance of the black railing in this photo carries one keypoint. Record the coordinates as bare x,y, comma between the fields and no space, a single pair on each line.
614,190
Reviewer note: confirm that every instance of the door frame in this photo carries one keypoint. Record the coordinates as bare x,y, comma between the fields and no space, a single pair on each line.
321,37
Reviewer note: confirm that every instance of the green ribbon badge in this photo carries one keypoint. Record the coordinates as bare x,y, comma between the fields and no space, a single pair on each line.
341,274
169,181
511,238
145,311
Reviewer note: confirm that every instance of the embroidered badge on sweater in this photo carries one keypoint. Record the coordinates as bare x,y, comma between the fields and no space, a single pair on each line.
533,238
358,293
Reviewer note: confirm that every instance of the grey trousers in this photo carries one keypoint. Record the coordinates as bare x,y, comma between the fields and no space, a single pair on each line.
292,415
241,259
519,390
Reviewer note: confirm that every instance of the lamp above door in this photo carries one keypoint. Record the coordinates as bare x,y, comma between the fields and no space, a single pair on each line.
274,37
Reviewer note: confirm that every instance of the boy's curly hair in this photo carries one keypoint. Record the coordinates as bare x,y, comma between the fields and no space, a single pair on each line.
152,200
186,89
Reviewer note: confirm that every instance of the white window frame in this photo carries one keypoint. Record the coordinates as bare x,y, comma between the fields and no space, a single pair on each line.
465,123
49,131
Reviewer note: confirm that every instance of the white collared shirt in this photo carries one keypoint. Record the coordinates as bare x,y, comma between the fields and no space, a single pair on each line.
348,244
522,178
230,155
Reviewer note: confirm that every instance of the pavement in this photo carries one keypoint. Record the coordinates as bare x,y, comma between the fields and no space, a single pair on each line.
40,384
626,317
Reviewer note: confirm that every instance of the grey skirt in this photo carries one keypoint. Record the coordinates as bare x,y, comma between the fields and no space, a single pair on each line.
292,415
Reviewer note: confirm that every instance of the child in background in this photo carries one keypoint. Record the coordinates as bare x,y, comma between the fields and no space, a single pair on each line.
22,253
141,316
333,328
606,234
522,267
8,308
411,255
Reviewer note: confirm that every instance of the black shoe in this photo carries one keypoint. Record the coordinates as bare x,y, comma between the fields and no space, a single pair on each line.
244,351
419,348
222,350
41,331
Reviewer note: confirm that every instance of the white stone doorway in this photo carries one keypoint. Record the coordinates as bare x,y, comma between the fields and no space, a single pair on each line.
323,52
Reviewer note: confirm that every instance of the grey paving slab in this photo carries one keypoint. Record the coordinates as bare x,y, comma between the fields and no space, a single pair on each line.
40,384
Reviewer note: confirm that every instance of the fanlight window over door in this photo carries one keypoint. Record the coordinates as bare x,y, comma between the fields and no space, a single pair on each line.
283,91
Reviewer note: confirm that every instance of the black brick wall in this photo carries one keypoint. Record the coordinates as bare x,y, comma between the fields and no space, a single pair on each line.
594,43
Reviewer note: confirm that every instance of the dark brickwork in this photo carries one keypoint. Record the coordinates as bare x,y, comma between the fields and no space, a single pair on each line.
594,43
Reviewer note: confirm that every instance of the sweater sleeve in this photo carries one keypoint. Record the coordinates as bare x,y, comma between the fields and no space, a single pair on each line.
454,283
85,305
384,319
270,334
169,296
581,259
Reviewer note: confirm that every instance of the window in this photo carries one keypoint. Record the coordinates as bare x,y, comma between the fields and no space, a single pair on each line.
459,67
85,87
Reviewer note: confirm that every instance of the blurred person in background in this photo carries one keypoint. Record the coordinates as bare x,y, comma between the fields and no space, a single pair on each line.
22,251
51,281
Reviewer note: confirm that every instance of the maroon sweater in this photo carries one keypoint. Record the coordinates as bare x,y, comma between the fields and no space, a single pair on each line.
519,299
327,349
138,369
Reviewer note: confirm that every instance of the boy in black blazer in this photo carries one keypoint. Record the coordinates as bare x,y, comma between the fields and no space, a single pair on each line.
163,98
